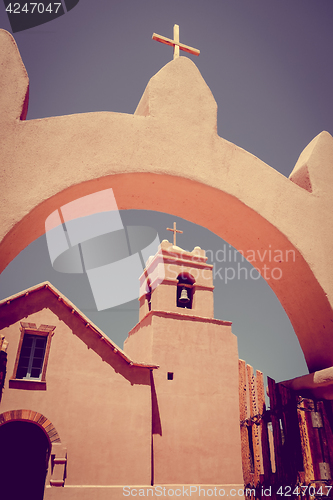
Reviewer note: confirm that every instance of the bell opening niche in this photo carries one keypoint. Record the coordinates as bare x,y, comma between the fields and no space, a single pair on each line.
148,295
185,290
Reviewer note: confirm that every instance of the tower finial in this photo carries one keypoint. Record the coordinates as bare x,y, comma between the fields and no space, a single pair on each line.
175,43
174,230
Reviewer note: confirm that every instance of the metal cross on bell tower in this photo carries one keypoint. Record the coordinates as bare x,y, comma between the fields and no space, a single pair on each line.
175,43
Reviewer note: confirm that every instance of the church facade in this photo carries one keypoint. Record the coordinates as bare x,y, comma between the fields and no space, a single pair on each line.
164,411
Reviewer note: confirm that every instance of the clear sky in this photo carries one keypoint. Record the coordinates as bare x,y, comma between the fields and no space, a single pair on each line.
268,64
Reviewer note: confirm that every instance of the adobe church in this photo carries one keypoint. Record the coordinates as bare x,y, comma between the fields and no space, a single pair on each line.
96,421
162,412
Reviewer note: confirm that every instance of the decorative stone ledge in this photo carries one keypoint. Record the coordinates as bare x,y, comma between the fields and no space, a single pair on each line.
26,384
118,492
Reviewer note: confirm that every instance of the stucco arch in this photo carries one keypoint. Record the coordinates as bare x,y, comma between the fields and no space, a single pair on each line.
168,157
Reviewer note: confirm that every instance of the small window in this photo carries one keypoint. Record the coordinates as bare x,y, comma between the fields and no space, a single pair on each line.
170,375
31,357
251,450
148,295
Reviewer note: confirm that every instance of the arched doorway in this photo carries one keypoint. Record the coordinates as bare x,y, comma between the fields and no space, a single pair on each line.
24,457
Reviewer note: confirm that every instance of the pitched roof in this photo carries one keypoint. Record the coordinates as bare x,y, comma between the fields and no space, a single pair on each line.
74,310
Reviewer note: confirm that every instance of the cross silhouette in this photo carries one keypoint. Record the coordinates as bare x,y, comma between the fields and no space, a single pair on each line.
175,43
174,230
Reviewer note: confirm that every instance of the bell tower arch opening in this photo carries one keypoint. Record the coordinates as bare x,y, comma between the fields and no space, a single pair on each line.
185,290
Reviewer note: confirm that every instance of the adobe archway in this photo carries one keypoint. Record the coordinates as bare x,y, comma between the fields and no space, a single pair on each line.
168,156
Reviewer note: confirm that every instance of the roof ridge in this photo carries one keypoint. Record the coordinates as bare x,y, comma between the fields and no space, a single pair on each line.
74,309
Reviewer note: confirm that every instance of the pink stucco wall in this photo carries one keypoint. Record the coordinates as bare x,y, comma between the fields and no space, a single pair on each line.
99,404
196,434
121,420
196,415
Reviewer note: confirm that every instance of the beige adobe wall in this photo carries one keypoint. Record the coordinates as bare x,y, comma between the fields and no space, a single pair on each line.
98,403
168,157
195,415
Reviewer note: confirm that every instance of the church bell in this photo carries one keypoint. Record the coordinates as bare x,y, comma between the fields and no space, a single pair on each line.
184,298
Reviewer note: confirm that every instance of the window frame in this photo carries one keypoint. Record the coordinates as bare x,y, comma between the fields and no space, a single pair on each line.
32,356
32,383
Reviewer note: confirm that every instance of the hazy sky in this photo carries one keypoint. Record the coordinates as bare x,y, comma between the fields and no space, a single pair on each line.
269,66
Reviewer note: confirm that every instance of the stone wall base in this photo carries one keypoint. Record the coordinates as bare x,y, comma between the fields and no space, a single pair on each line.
193,491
